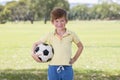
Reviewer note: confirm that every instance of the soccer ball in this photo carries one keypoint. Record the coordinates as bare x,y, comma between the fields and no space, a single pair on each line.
45,52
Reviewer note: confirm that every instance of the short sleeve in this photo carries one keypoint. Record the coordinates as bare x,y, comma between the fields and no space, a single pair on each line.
75,38
45,38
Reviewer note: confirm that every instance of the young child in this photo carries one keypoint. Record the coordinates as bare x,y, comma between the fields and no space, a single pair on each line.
60,67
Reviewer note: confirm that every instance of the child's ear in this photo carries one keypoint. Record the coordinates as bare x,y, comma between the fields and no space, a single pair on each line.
66,20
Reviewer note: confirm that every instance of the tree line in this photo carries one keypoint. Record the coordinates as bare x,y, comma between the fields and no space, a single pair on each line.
31,10
35,10
103,11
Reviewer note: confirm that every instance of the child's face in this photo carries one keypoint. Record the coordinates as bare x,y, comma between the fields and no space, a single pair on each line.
59,23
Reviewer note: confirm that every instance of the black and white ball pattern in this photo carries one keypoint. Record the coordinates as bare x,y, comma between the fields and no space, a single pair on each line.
45,52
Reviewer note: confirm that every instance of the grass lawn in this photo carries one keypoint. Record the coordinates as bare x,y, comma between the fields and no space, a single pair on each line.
98,61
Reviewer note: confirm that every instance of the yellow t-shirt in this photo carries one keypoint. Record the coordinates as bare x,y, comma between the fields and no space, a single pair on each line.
62,47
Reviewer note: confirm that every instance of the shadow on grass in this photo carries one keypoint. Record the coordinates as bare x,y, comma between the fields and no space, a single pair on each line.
38,74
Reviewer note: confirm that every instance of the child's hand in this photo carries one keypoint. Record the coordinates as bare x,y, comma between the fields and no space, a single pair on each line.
35,45
72,61
35,57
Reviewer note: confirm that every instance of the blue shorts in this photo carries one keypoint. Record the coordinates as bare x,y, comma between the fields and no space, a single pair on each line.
60,72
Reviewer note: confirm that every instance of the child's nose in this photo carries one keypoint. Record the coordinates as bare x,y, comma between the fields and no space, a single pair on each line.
59,23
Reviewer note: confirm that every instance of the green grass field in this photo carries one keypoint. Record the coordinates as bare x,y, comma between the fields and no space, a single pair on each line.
98,61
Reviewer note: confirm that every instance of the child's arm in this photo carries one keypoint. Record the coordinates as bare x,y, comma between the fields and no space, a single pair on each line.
79,51
35,56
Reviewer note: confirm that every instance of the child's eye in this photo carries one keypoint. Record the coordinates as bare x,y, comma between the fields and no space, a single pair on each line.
62,20
56,21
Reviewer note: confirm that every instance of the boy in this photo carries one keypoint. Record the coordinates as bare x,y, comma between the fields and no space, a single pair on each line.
60,67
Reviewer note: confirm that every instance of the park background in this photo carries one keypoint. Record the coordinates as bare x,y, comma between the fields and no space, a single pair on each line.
23,22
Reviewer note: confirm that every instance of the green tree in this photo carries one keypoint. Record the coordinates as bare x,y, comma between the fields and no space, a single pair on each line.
114,11
42,8
79,12
2,15
10,10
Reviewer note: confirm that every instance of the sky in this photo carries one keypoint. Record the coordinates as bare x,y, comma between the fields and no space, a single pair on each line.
90,1
83,1
4,1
